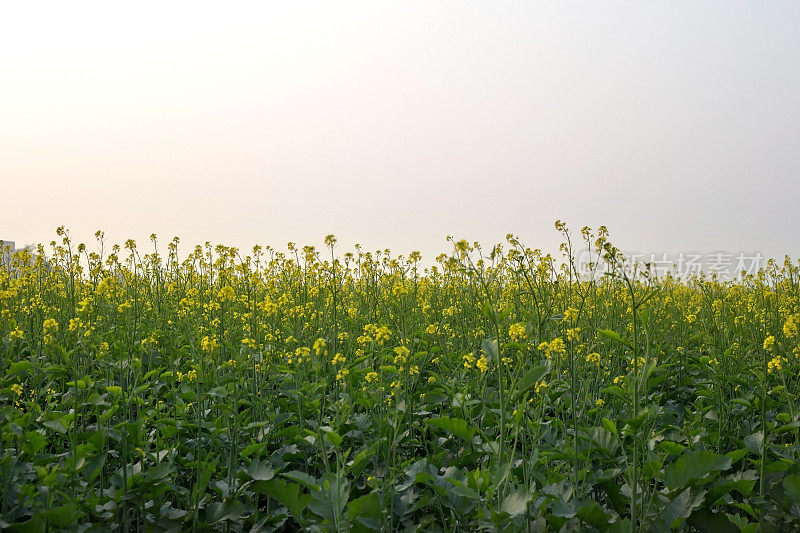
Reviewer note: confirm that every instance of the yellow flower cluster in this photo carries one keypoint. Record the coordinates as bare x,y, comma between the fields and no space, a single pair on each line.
769,343
790,327
401,355
191,375
554,347
776,364
319,347
573,334
593,358
516,331
208,343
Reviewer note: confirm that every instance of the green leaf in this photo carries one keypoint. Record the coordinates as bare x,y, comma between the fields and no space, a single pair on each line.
55,425
671,447
302,478
531,378
456,426
260,470
18,367
368,506
288,494
791,484
593,514
158,472
334,438
95,466
737,455
34,525
679,509
220,511
63,516
253,448
613,335
516,503
692,467
755,442
34,442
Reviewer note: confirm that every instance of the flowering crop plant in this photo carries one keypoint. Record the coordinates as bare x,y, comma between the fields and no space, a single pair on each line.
495,389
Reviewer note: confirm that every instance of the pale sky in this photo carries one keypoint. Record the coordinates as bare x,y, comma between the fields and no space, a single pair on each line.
394,124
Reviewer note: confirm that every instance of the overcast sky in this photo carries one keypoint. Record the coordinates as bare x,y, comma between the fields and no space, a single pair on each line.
394,124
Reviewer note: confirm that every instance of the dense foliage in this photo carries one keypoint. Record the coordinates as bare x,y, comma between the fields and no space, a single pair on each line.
493,390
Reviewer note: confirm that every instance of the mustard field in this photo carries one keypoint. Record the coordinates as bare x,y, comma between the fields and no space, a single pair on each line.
146,387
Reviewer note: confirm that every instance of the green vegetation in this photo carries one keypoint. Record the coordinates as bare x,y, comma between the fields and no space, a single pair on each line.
496,390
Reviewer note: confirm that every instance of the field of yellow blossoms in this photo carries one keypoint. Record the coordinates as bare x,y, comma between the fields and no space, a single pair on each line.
153,388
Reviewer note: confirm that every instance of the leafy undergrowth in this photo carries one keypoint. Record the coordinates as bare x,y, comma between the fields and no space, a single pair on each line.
493,391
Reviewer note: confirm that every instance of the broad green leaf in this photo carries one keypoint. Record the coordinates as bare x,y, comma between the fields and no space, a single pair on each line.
516,503
287,493
220,511
791,485
260,470
692,467
34,442
456,426
531,378
302,478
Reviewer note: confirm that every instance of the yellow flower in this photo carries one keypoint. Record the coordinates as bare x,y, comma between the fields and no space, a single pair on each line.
342,374
16,388
571,315
691,318
572,334
593,358
769,343
402,355
516,331
482,364
469,360
776,364
319,347
208,343
250,343
600,402
302,353
16,333
790,327
338,358
371,376
556,346
226,294
382,334
540,386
